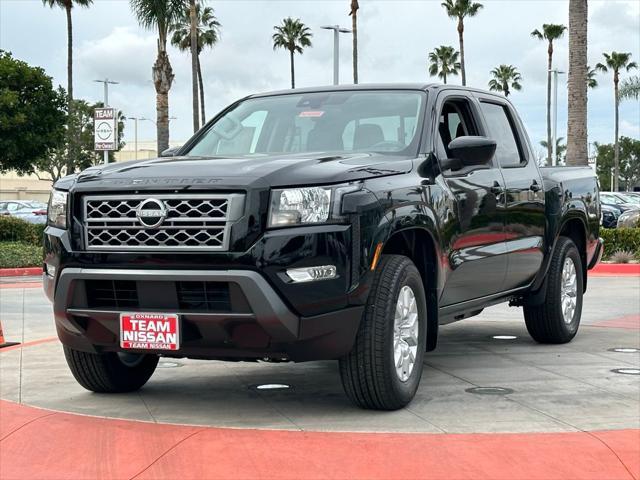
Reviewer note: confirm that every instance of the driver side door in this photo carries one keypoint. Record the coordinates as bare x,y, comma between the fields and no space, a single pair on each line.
476,261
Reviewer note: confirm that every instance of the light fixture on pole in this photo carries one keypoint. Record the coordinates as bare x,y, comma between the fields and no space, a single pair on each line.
106,82
337,30
554,143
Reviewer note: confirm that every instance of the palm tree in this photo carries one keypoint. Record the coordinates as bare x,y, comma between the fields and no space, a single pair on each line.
193,47
502,77
443,61
592,81
68,5
579,80
292,35
630,88
459,10
160,15
560,148
550,32
354,29
208,35
616,61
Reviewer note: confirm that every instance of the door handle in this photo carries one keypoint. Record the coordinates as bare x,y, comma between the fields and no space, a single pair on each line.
496,188
534,187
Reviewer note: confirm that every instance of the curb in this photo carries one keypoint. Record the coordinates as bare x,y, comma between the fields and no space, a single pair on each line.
20,272
622,269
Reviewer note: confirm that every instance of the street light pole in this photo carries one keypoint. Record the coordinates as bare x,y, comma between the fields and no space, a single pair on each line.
135,134
337,30
106,82
554,144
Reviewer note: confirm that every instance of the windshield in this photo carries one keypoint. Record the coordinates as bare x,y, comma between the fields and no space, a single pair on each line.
336,122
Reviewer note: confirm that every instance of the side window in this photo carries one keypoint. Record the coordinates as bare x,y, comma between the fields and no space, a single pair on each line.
501,129
456,120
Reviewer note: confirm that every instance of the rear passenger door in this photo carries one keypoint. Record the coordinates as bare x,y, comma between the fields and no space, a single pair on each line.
477,264
524,198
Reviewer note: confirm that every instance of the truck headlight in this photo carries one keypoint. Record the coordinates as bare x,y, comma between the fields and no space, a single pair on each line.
307,205
293,206
57,210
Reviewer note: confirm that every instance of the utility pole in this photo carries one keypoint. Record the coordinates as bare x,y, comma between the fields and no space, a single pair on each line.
135,134
554,144
106,82
337,30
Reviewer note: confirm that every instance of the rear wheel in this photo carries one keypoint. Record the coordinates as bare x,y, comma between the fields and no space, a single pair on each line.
383,369
110,372
557,319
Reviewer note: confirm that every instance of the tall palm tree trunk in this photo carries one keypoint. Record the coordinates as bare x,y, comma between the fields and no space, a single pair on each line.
577,142
162,79
549,140
616,154
293,70
203,116
194,62
461,38
71,126
354,29
444,78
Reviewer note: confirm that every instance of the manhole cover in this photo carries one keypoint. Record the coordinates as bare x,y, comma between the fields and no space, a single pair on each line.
169,364
627,371
504,337
272,386
489,390
624,350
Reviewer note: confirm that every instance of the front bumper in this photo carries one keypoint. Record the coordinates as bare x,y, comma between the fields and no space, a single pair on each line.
267,328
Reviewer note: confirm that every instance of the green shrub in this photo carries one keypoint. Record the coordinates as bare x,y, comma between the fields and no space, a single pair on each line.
17,230
19,254
617,239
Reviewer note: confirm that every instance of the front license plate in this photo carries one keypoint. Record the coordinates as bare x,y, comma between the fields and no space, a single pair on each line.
149,331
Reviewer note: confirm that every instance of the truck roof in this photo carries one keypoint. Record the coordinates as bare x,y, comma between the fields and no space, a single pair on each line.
372,86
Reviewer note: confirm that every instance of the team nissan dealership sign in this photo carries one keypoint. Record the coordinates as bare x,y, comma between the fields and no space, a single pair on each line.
105,129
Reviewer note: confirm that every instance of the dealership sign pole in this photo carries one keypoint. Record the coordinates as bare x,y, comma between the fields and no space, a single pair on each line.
105,124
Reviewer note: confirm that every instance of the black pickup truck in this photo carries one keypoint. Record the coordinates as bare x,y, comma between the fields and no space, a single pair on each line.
343,223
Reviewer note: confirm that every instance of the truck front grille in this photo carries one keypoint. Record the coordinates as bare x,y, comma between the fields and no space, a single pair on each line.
160,222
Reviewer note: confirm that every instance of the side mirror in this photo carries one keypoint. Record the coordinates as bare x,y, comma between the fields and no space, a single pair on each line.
472,151
170,152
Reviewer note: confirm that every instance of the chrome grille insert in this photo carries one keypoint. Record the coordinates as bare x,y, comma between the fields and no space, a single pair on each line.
186,221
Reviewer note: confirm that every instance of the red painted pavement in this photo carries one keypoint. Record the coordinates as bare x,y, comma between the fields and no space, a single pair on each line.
20,272
21,285
628,321
616,269
27,344
41,444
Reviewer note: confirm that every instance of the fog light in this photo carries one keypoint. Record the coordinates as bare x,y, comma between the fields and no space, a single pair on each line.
309,274
50,269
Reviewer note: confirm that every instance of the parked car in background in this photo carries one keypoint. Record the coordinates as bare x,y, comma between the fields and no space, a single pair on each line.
629,219
614,199
28,210
610,215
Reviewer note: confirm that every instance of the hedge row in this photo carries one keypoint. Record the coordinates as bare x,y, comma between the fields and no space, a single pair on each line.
17,230
617,239
20,254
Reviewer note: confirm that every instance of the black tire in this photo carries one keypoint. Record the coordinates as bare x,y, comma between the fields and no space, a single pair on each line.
545,322
107,372
368,372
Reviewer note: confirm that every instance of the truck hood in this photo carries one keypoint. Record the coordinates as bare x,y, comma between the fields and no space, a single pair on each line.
229,173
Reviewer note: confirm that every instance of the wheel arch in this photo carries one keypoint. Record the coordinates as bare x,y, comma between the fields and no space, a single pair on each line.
419,245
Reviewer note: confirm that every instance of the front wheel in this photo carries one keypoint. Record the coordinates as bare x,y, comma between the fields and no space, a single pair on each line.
383,369
557,319
110,372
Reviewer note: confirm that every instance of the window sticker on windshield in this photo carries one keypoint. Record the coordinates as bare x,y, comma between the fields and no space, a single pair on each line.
311,113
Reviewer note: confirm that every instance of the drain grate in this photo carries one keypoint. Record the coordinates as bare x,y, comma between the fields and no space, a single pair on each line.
489,390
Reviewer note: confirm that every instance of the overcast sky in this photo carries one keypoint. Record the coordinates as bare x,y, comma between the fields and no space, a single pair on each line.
395,37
